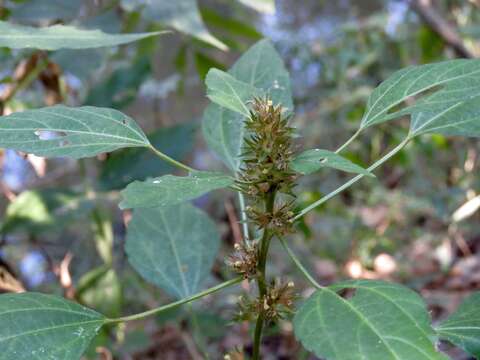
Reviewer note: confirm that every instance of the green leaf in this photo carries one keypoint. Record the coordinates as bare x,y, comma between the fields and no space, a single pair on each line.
182,15
265,6
261,67
37,211
381,321
101,289
172,247
462,328
124,166
61,37
452,82
65,131
46,10
37,326
313,160
121,87
171,190
228,92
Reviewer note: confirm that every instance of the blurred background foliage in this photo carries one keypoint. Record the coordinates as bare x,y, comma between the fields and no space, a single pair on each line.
417,222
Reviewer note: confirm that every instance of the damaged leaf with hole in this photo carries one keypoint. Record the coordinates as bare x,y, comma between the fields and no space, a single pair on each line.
75,132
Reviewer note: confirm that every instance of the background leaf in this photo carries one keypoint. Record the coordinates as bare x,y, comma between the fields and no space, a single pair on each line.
265,6
74,132
38,326
462,328
381,321
172,247
261,67
182,15
313,160
171,190
61,37
455,81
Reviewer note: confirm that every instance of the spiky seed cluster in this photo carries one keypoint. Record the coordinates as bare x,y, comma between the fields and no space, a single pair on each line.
276,304
280,221
244,259
268,151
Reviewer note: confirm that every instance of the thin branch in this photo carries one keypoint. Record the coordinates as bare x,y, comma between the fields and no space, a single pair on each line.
176,303
171,161
426,10
299,265
354,180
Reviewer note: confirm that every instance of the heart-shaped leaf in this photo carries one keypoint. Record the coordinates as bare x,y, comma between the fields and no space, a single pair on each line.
67,131
381,321
171,190
37,326
61,37
172,247
313,160
462,328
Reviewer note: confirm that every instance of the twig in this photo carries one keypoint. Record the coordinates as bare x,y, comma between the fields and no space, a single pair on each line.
439,25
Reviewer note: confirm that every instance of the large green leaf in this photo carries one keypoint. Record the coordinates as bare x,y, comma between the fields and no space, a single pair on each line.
228,92
182,15
124,166
171,190
74,132
462,328
38,327
261,67
452,82
313,160
61,37
173,247
381,321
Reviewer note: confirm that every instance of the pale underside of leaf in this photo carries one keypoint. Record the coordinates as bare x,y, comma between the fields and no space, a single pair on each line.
38,327
171,190
444,86
228,92
381,321
67,131
172,247
61,37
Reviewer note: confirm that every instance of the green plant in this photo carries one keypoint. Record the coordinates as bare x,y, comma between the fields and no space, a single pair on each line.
172,244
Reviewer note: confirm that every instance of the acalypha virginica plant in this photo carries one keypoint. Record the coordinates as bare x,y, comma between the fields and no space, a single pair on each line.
173,244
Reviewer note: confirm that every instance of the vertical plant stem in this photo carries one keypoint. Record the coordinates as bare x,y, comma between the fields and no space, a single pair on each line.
261,278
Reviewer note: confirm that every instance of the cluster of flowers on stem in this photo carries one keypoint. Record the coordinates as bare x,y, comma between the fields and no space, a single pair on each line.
264,174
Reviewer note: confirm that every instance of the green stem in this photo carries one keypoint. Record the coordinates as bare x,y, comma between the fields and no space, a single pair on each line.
349,141
354,180
299,265
176,303
261,277
243,216
171,161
